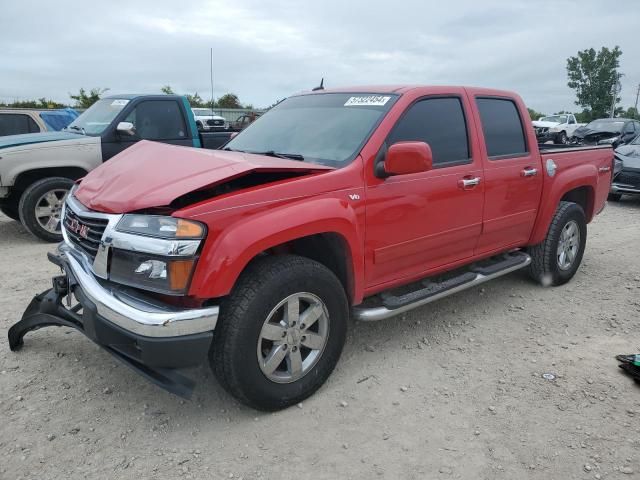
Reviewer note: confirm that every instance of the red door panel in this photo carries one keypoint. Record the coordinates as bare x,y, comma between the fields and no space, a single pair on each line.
419,222
511,202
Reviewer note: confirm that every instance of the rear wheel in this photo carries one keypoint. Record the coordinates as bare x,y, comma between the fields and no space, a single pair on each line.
556,260
41,205
614,197
281,332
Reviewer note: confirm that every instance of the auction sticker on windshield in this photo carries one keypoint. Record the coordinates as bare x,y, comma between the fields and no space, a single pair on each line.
119,103
367,100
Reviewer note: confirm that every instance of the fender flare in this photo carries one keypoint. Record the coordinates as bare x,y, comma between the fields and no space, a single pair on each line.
585,175
238,244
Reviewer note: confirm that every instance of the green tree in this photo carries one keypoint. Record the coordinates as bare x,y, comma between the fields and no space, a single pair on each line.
196,100
167,90
85,100
592,75
632,112
229,100
41,103
532,113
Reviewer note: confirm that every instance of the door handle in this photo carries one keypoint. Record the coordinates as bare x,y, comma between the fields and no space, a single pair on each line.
467,183
604,169
529,172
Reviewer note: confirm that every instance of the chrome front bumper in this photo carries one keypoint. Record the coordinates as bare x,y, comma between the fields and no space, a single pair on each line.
624,189
132,312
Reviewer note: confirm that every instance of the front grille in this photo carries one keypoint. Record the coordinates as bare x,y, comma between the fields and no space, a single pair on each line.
215,123
628,178
75,225
541,131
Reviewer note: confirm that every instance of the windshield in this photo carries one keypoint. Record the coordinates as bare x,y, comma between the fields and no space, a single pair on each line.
203,112
326,128
555,119
605,126
98,116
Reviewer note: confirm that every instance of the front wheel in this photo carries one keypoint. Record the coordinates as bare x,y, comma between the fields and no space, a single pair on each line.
562,138
556,260
41,206
280,333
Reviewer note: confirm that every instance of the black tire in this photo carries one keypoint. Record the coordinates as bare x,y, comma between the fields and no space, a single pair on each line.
614,197
29,201
545,264
10,208
264,284
562,138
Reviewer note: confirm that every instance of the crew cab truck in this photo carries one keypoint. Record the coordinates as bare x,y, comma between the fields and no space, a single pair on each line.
363,202
38,169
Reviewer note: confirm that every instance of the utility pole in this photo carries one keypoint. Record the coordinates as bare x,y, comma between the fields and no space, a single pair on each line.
211,65
637,95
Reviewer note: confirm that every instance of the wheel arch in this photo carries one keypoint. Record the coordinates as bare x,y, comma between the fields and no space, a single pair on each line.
332,238
28,177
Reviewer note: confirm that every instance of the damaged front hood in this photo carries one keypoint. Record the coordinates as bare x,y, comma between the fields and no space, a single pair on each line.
591,135
150,174
541,124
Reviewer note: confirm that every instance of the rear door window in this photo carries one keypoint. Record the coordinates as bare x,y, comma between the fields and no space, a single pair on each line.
16,124
502,127
440,122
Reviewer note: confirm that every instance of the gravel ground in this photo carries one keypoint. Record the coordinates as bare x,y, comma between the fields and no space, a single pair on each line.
454,390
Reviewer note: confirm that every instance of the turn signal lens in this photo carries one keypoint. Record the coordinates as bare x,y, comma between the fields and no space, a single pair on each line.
189,229
180,274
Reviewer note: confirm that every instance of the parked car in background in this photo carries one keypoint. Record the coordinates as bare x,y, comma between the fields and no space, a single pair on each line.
17,121
626,170
364,202
206,119
38,169
607,131
243,121
556,128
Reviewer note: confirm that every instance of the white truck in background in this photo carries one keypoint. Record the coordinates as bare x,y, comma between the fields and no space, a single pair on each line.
556,128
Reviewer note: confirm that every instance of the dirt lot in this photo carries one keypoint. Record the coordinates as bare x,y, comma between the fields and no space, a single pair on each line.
454,390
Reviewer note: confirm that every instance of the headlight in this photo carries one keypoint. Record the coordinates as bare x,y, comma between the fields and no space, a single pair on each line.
161,226
164,261
617,165
554,130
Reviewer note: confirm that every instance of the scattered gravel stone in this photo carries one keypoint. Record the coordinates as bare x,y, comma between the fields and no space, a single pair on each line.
492,409
446,470
51,437
403,389
626,470
587,468
19,398
107,391
370,348
343,403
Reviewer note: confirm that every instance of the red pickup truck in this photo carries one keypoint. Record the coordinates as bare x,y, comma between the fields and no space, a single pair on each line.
361,202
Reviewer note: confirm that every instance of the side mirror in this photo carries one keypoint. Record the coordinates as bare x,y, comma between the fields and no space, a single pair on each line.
233,135
408,157
126,128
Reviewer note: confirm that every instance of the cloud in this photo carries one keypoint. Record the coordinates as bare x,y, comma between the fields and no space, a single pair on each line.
264,51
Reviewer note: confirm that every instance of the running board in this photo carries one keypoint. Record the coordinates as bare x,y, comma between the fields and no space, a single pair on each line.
476,274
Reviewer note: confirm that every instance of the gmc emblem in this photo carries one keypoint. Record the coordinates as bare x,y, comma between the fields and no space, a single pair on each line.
79,229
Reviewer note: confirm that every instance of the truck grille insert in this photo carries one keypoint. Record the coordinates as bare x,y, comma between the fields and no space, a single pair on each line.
84,233
628,178
215,123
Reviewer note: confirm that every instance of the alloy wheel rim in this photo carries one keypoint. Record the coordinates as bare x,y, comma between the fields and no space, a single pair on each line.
568,245
293,338
49,208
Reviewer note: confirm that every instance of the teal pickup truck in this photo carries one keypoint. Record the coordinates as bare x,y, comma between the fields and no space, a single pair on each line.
38,169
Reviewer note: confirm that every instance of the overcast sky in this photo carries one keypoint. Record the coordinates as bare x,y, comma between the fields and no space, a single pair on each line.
266,50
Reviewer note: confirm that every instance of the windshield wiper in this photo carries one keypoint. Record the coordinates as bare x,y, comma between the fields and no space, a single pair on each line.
290,156
75,127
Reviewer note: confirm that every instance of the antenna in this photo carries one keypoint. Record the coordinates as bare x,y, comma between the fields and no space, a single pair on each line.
211,64
319,87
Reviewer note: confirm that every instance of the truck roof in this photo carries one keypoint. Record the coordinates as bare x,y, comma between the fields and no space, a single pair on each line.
400,89
131,96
